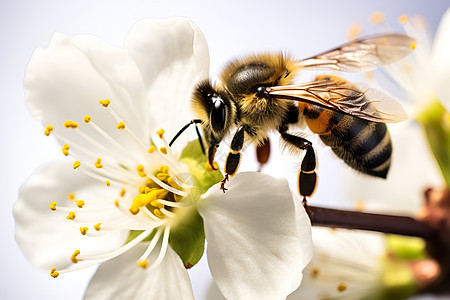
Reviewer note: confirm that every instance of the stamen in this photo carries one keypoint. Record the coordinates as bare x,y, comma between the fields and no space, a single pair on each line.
105,102
142,263
403,19
76,164
152,245
97,226
163,250
151,149
73,258
354,31
83,230
98,164
48,130
87,119
172,204
167,213
54,273
122,192
376,17
160,133
342,287
71,216
163,150
70,124
71,196
80,203
108,183
53,206
65,149
121,126
413,46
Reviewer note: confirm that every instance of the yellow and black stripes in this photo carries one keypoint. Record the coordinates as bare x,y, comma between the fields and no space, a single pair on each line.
363,145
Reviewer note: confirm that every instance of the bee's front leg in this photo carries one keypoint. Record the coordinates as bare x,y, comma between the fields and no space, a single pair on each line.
234,157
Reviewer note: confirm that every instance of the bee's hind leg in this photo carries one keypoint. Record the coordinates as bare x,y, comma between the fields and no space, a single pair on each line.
307,175
234,157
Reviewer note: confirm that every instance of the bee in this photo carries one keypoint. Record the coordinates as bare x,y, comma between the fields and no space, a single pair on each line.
258,94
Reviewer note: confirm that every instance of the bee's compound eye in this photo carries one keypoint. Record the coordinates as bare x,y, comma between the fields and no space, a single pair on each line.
218,114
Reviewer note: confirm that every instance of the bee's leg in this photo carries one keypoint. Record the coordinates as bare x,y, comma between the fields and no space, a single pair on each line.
307,176
234,157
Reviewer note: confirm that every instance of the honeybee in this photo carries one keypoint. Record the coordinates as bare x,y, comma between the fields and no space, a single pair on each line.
257,94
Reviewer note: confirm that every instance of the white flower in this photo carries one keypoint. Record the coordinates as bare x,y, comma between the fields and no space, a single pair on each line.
124,199
351,269
424,75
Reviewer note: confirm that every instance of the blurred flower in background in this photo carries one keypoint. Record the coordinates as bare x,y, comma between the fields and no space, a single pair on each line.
124,199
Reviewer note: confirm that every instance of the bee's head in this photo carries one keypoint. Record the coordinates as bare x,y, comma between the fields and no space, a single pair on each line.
214,108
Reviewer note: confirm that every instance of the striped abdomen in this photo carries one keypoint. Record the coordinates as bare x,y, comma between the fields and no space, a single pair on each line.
363,145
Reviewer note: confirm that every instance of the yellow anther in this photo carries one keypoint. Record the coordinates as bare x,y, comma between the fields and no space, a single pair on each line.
108,183
376,17
71,196
87,119
80,203
354,31
314,273
73,258
342,287
116,203
98,163
164,169
413,46
65,149
97,226
121,125
54,273
71,216
163,150
104,102
160,133
359,205
140,168
76,164
53,206
158,213
151,149
403,19
142,189
162,176
122,192
142,174
70,124
142,263
83,230
48,129
209,168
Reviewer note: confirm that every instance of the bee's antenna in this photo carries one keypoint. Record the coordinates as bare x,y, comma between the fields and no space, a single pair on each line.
195,122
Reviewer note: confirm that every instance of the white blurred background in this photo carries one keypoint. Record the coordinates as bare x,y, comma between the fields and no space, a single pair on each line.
232,28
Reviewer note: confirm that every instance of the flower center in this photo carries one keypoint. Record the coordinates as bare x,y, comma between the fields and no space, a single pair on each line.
148,201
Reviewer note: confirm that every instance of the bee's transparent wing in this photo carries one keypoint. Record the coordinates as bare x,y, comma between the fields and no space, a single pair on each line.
363,54
355,99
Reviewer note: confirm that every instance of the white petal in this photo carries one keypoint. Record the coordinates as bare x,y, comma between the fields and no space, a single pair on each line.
173,57
441,60
259,237
67,80
46,237
121,278
349,257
